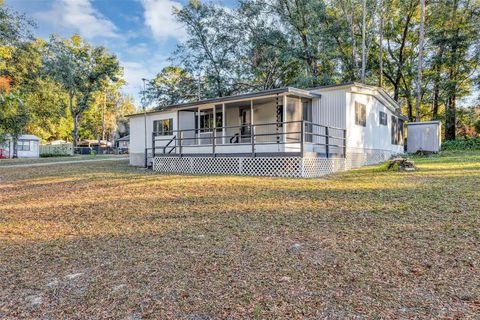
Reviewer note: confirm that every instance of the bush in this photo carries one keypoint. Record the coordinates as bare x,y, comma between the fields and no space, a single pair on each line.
51,155
462,144
56,150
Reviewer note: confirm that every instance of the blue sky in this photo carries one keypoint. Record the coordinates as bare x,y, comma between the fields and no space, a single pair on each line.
142,33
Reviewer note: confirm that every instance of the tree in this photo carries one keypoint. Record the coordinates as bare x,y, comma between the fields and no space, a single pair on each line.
461,57
15,29
13,118
81,70
171,86
108,109
210,47
400,51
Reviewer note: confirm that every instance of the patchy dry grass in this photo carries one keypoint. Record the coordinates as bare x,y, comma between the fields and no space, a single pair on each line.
106,240
22,161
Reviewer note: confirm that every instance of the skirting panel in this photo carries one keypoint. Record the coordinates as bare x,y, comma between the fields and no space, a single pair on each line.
292,167
357,158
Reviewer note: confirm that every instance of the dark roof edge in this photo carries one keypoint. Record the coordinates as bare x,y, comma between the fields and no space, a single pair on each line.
232,98
424,122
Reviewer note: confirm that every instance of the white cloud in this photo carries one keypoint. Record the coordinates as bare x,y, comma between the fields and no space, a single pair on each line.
139,49
134,71
80,16
159,18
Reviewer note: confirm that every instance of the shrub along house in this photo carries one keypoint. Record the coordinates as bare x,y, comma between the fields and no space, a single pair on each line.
281,132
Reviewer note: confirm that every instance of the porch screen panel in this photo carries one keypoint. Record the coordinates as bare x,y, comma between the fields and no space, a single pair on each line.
307,115
264,120
294,113
209,121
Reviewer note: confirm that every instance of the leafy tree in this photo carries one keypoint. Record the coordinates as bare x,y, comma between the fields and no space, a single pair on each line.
107,110
49,114
13,118
171,86
210,49
462,56
81,70
15,29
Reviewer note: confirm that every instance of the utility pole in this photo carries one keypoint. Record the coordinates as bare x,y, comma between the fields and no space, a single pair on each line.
103,113
101,137
145,121
199,91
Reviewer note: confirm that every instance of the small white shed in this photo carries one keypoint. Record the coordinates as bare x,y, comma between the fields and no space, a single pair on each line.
28,146
424,136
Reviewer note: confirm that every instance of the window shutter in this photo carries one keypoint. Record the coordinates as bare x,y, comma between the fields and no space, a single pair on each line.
383,118
360,114
394,135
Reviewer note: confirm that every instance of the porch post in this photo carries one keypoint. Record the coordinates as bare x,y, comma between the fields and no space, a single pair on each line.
153,148
302,138
177,132
214,133
327,142
284,117
252,129
224,121
197,132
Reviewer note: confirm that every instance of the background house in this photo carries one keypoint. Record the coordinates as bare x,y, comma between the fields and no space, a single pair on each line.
123,144
28,146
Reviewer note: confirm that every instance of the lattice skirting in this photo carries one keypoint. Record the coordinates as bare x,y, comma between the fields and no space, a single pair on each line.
293,167
357,159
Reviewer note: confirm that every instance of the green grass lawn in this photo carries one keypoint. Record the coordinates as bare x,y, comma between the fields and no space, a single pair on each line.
6,162
105,240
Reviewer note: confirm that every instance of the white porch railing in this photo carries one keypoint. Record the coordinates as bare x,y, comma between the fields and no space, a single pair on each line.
289,138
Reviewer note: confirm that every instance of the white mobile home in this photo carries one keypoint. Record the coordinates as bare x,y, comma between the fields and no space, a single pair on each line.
28,146
281,132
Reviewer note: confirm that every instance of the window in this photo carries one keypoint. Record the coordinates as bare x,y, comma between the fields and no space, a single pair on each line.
163,127
279,115
23,145
383,118
397,131
393,130
207,121
360,114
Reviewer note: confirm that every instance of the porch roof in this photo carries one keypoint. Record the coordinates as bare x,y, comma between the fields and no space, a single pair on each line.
243,96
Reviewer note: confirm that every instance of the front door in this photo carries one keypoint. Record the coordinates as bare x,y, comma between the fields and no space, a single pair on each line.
245,129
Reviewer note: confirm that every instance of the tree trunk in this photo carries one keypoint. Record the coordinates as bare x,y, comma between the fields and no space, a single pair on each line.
450,118
103,115
363,41
75,119
436,95
410,109
75,130
450,112
420,61
351,22
15,147
436,81
380,47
